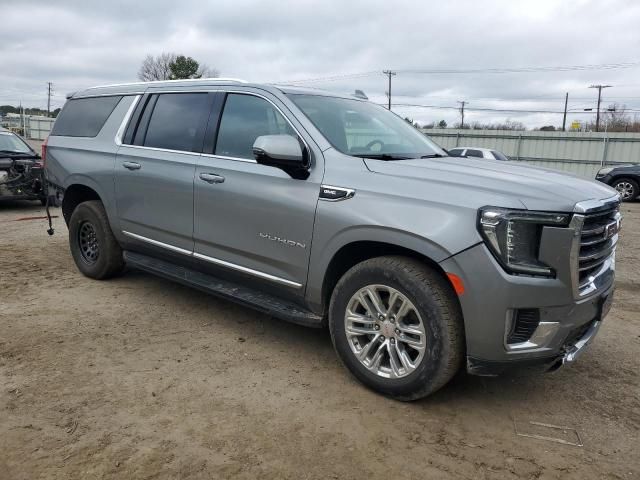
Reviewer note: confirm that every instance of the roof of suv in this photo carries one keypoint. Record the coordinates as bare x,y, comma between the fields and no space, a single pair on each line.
141,87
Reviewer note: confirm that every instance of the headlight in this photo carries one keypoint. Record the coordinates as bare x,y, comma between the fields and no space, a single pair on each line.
513,236
603,171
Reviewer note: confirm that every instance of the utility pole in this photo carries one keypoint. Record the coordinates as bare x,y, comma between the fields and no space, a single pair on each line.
389,74
462,104
49,85
599,87
564,117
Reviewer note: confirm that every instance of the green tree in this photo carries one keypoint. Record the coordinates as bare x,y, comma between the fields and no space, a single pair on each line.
442,124
184,67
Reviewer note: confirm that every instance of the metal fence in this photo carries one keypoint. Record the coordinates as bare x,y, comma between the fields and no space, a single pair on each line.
33,127
581,153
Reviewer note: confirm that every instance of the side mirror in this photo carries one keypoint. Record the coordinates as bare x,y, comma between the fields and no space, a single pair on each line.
282,151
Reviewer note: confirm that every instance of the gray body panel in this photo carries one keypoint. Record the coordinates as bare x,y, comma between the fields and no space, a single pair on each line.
163,183
264,226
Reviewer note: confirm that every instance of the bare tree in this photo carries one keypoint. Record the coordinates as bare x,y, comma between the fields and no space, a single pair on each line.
159,68
616,118
156,68
207,72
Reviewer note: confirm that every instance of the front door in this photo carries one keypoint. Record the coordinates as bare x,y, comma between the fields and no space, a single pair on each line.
251,218
154,174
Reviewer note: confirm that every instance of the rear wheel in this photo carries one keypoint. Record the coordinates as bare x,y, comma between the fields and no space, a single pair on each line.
95,250
627,188
397,326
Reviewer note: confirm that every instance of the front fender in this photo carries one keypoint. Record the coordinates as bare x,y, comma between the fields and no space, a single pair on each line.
322,257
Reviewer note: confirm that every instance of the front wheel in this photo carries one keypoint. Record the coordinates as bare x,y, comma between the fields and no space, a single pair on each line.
94,248
627,188
397,326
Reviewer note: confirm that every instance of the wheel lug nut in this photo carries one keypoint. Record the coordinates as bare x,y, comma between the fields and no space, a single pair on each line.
382,338
380,317
377,327
393,340
397,331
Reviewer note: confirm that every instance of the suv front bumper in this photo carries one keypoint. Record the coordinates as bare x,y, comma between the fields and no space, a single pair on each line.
567,324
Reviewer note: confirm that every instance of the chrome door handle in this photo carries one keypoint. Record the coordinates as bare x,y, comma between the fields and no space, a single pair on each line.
131,165
211,178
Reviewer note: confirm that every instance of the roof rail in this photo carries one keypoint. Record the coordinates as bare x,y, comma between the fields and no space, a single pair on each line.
216,79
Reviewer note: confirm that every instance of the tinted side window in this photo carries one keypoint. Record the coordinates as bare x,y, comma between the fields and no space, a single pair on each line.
473,153
84,117
245,118
176,120
455,152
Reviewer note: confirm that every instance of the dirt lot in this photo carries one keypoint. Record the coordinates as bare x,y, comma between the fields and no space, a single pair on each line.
141,378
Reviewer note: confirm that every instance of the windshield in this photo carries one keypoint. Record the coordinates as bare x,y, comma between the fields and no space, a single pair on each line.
363,129
12,143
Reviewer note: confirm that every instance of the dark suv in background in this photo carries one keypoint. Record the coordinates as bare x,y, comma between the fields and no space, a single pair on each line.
625,179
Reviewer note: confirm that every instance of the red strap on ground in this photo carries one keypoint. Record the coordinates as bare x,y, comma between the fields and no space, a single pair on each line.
33,218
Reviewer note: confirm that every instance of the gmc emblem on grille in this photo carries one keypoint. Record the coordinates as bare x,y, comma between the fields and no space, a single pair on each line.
611,230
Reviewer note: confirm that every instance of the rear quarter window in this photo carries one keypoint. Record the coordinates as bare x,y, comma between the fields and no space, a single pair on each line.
84,117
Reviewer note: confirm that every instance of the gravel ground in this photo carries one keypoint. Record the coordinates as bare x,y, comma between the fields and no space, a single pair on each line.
138,377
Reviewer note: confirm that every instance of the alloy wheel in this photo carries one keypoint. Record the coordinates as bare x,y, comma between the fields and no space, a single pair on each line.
625,189
385,331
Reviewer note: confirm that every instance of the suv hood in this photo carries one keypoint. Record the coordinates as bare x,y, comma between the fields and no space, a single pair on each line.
536,188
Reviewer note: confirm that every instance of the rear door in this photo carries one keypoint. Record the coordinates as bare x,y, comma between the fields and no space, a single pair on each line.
253,219
155,167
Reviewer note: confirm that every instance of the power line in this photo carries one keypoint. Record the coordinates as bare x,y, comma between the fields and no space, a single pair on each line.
496,70
561,68
503,110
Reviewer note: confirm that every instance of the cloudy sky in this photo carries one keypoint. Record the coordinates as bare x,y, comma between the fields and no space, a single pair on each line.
341,46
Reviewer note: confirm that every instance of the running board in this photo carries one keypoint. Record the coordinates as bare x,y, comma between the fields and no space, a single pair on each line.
232,291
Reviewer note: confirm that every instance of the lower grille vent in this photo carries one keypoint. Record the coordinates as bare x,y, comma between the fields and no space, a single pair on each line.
525,322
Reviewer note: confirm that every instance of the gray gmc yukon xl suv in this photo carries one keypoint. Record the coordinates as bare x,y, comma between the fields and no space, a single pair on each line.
328,210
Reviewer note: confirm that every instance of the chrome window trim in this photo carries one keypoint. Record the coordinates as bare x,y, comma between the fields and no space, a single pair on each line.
122,128
217,261
95,95
223,157
125,120
156,149
241,92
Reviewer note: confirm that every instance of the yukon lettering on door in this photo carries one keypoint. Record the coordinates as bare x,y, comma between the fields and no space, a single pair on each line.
284,241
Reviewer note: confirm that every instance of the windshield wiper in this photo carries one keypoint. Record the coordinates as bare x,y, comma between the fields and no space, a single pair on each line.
381,156
433,155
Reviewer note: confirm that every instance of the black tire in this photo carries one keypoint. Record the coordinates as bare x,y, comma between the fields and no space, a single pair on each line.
434,299
635,189
95,250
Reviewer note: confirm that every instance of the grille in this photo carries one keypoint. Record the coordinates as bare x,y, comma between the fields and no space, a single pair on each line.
525,322
596,243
